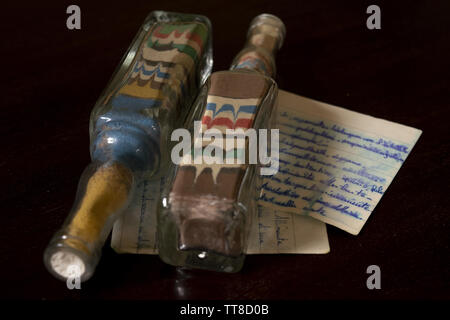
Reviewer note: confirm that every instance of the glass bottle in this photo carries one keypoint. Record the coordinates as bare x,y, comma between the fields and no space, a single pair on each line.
206,209
149,95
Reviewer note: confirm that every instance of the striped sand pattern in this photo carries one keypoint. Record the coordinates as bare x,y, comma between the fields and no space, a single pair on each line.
234,101
223,113
168,58
254,61
226,113
186,38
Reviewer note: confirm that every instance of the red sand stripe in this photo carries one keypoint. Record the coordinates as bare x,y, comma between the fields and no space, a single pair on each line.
240,123
189,35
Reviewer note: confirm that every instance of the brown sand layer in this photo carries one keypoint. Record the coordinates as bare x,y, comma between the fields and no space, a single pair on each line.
226,186
238,85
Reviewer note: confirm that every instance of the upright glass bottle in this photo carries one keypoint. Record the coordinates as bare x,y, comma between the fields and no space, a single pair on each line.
148,96
206,209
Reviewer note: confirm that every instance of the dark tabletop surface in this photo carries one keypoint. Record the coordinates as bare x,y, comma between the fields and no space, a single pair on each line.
51,78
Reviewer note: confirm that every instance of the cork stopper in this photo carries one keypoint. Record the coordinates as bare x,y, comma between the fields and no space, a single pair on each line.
267,31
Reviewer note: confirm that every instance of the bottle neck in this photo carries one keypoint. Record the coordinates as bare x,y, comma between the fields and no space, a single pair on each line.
104,192
255,58
264,39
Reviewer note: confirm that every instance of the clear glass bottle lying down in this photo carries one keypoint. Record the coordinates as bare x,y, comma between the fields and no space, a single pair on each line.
205,210
149,95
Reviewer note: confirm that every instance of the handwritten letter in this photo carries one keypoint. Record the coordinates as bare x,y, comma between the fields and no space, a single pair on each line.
135,231
283,232
335,164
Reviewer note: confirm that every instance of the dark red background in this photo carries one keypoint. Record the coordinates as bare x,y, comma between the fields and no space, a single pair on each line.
51,78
